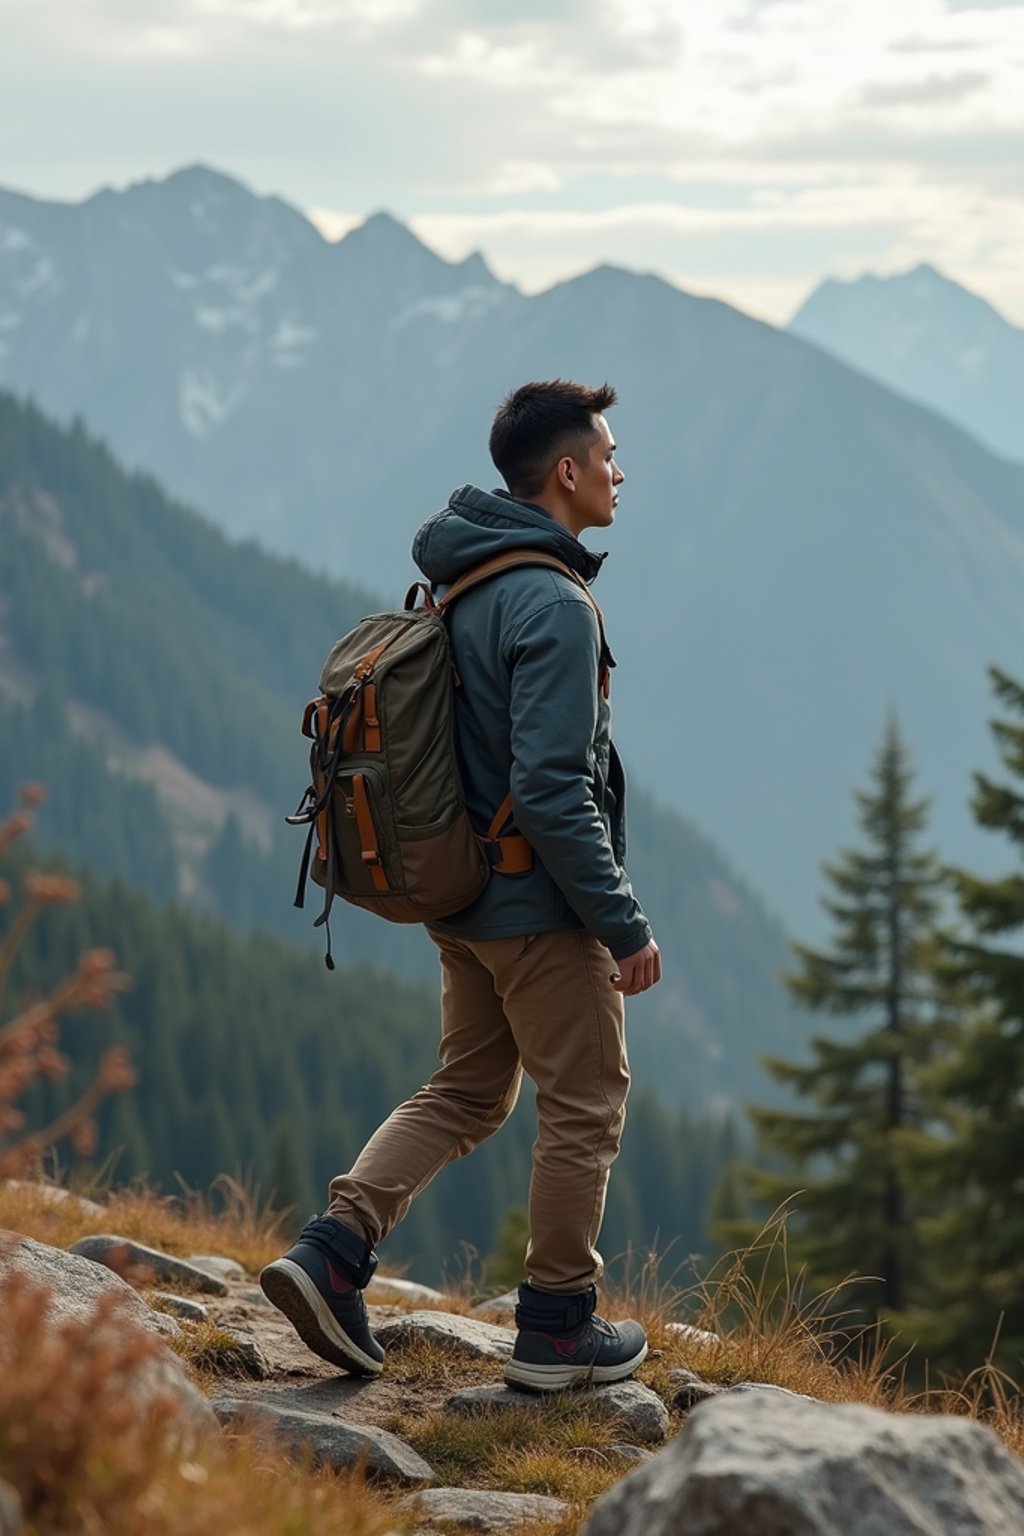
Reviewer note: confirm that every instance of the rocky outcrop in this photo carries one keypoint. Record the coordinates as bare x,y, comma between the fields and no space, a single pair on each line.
635,1408
467,1336
478,1509
73,1286
779,1465
328,1442
124,1255
76,1284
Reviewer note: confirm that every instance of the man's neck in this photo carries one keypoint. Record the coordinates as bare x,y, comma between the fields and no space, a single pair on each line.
554,509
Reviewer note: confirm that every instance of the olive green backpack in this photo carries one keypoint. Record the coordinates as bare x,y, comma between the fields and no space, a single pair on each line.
385,805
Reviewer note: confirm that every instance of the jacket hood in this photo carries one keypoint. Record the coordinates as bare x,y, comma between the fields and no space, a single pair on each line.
476,525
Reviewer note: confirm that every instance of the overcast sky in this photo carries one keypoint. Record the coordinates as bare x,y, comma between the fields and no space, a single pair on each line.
745,148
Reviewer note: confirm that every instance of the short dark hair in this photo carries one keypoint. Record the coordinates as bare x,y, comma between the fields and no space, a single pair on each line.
538,423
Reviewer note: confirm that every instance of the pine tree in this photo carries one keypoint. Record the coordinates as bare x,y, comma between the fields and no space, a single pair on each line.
977,1242
856,1214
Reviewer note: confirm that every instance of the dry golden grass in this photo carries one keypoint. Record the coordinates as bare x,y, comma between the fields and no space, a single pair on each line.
768,1331
556,1447
230,1223
419,1361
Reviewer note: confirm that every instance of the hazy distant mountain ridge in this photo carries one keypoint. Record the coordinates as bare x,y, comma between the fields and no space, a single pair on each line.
797,549
931,339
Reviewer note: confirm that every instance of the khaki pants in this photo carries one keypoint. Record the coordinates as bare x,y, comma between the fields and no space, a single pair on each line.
542,1003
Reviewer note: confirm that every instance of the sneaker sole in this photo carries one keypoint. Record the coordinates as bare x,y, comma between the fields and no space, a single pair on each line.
556,1378
287,1287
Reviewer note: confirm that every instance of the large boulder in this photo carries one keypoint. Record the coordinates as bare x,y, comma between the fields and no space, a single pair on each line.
74,1289
780,1466
76,1284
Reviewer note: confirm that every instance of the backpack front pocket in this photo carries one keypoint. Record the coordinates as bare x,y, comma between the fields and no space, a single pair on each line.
369,863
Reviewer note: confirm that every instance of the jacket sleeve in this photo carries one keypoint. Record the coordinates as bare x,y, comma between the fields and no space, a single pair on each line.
553,660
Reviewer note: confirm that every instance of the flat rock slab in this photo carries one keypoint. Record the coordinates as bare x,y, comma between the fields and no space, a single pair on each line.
181,1306
121,1253
777,1465
219,1267
478,1509
329,1442
466,1335
639,1411
75,1285
394,1289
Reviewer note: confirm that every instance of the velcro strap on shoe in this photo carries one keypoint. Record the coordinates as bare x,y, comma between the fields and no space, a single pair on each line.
547,1312
357,1258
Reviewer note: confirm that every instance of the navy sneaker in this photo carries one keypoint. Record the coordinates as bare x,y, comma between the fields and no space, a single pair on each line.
318,1285
561,1342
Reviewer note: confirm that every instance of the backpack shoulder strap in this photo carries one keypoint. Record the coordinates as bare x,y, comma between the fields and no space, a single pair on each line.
506,562
514,557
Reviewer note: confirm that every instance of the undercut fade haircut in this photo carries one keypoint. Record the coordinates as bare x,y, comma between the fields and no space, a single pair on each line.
538,424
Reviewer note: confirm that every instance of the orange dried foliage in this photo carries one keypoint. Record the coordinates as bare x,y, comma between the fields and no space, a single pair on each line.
28,1041
84,1459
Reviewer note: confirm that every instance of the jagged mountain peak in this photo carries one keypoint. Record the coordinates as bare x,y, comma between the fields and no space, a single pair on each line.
386,246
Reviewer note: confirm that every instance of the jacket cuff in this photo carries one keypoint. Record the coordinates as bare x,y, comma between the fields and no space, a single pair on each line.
629,947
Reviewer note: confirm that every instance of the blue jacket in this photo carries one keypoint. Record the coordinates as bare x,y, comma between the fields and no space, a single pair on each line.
530,717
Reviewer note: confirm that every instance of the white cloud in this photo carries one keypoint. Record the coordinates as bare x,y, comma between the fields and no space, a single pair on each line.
516,177
305,15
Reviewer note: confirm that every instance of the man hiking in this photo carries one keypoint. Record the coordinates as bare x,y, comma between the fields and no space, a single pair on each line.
534,972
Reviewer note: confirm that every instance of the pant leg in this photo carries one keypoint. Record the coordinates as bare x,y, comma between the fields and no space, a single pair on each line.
465,1101
569,1025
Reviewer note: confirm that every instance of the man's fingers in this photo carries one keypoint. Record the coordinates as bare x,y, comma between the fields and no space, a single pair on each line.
638,972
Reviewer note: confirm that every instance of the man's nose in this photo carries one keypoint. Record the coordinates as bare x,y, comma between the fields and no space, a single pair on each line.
618,476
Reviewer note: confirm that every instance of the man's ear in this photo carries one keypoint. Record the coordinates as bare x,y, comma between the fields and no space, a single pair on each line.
566,474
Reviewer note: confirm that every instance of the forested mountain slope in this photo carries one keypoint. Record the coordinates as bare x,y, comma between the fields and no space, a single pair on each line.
152,674
251,1059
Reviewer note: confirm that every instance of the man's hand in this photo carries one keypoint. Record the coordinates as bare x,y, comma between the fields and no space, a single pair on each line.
638,972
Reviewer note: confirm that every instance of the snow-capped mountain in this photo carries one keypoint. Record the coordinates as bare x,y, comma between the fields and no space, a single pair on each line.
215,338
